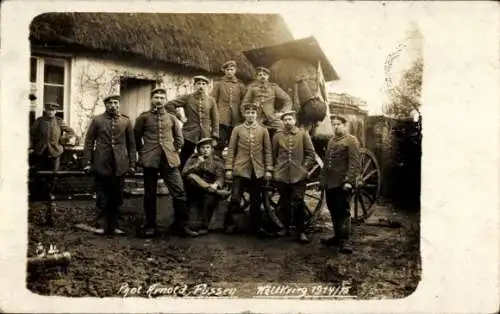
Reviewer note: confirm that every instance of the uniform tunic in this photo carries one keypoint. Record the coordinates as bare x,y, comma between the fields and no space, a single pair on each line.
228,94
249,150
341,165
46,134
268,96
115,151
201,113
157,132
341,161
293,154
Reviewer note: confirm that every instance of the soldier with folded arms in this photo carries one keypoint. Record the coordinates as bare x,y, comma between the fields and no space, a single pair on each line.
110,153
204,177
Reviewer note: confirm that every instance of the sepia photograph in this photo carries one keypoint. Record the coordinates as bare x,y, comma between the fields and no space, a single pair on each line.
218,155
264,156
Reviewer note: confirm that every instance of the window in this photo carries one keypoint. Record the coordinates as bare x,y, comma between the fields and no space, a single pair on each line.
49,79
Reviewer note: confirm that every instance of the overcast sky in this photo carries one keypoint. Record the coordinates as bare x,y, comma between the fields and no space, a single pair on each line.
357,41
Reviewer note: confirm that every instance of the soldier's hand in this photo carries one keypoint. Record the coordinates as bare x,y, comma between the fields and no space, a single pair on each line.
201,158
131,170
86,169
268,176
229,175
347,187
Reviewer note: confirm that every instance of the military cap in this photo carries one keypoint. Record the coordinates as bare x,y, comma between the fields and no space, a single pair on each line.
205,140
109,97
160,90
250,106
288,113
263,69
338,117
230,63
51,106
201,78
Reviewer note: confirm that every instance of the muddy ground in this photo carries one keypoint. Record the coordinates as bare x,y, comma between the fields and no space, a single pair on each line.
385,262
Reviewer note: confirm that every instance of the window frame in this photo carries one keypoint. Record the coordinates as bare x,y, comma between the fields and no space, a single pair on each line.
38,87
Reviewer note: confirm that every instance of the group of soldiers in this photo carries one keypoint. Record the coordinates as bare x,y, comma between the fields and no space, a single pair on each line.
262,142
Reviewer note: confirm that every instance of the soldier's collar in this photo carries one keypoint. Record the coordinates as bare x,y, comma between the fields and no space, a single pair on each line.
293,130
250,126
157,110
233,79
109,115
199,95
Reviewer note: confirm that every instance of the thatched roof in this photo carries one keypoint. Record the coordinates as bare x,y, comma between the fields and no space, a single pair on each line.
306,49
199,41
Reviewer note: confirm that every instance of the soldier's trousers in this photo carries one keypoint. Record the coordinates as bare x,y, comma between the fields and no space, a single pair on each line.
337,201
109,192
254,187
292,204
202,200
225,135
186,152
45,184
173,180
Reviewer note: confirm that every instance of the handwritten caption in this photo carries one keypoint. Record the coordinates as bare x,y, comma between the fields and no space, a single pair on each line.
299,291
159,290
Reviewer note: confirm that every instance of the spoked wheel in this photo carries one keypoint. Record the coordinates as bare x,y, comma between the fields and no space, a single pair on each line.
367,188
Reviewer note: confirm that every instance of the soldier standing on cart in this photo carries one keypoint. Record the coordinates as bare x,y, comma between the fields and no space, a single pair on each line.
293,155
249,166
338,177
204,177
45,138
201,113
114,155
228,93
159,140
269,97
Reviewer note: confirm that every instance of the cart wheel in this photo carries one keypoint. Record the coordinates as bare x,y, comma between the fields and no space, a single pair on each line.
367,188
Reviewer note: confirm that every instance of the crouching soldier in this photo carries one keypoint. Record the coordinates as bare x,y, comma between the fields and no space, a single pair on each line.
114,155
159,140
249,166
204,177
45,138
341,167
293,155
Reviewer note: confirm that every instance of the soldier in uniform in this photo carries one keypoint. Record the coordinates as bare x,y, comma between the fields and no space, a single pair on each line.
341,167
159,140
269,97
46,149
204,177
248,165
201,113
228,93
293,155
114,155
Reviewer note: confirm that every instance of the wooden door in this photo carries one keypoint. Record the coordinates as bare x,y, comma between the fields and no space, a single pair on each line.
135,96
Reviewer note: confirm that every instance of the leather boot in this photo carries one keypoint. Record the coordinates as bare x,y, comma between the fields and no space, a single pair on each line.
180,225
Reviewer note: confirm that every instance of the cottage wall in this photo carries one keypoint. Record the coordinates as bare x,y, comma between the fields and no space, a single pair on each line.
92,78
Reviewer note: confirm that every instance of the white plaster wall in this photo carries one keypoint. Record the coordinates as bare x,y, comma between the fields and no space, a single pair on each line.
93,78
